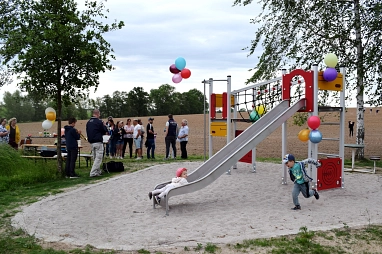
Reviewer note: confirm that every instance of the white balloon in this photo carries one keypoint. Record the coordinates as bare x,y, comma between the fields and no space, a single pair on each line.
47,110
46,125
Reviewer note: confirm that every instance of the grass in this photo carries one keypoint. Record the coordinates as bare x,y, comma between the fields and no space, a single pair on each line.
22,182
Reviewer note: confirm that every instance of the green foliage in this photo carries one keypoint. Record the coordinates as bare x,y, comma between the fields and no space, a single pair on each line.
17,171
211,248
198,247
143,251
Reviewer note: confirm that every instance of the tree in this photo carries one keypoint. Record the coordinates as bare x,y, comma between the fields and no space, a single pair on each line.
165,101
192,102
57,51
300,33
138,102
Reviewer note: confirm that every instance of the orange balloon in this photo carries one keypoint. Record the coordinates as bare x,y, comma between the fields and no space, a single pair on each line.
51,116
303,135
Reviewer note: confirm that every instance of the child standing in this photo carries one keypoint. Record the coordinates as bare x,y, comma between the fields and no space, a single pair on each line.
179,180
300,178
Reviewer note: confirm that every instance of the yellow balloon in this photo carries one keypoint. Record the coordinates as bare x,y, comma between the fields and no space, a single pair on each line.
331,60
260,109
303,135
51,116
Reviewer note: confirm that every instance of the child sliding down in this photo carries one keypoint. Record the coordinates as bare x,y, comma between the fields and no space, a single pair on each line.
179,180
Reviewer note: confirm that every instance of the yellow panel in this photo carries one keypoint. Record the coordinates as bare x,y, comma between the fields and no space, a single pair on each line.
219,100
335,85
218,129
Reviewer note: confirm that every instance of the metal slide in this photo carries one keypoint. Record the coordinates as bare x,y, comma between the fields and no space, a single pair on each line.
225,158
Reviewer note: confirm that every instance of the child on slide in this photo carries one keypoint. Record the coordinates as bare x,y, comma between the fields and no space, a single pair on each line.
179,180
300,178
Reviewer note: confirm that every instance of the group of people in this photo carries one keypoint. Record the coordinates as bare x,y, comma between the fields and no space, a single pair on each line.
133,132
9,133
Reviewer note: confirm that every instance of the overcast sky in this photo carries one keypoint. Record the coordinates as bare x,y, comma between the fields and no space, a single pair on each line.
209,34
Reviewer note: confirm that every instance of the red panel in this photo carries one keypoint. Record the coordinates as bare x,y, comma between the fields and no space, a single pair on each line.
213,106
248,157
329,175
225,107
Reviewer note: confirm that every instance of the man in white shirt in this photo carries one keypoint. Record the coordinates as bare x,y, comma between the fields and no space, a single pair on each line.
137,138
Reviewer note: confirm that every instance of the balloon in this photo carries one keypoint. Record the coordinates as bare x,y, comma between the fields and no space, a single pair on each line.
315,136
177,78
330,74
314,122
185,73
46,125
303,135
331,60
50,110
180,63
254,116
260,109
51,116
173,69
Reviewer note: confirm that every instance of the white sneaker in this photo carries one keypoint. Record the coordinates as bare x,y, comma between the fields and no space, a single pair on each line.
139,158
111,157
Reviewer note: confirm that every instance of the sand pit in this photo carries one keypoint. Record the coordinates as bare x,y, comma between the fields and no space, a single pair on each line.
117,214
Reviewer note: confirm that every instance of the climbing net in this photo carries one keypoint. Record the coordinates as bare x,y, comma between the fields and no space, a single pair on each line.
258,99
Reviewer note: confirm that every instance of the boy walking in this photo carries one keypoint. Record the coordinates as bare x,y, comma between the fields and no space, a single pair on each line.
300,178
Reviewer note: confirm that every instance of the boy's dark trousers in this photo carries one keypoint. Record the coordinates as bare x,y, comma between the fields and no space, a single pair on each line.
71,162
170,140
150,147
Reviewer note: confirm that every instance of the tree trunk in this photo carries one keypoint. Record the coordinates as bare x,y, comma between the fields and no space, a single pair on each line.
360,87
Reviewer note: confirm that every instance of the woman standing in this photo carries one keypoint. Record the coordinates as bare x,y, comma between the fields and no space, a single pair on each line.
118,136
183,138
14,133
128,138
112,141
4,134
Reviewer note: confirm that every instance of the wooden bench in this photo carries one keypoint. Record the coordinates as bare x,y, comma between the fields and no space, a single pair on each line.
37,157
375,158
87,157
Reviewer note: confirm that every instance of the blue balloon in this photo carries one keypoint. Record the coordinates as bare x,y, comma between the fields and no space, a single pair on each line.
254,116
315,136
180,63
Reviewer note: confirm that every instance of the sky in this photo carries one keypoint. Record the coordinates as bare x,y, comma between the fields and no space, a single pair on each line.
208,34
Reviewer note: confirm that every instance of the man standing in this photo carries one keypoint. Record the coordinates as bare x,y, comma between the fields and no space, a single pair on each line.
171,133
137,139
95,129
71,137
150,139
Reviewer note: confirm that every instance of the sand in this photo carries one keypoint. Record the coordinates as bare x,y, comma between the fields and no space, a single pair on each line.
117,213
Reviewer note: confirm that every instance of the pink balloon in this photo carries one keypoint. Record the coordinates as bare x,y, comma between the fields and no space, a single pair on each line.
173,69
177,78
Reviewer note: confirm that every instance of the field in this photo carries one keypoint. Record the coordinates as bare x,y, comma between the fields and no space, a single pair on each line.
269,148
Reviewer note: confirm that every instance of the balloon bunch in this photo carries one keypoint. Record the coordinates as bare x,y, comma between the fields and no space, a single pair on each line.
179,70
50,114
313,135
331,61
256,113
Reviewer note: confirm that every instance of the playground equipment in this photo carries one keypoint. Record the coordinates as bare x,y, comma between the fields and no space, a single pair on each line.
279,106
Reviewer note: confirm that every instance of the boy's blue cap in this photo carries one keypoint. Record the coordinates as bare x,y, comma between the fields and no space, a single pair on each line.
288,157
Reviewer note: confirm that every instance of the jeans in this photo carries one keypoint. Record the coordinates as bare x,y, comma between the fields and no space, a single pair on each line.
71,162
170,140
112,144
151,146
130,142
304,189
183,149
97,151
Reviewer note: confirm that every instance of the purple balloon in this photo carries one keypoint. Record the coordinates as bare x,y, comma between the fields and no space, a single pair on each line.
177,78
330,74
173,69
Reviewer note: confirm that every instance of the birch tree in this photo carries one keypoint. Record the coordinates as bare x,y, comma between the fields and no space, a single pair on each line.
299,33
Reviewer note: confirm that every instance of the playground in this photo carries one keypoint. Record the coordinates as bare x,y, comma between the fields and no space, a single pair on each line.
117,214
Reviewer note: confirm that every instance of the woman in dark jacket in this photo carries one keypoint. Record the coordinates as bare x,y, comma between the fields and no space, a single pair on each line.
71,137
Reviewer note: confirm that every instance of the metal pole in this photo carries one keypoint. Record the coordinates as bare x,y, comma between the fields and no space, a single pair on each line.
315,113
204,118
284,144
229,114
342,125
210,82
